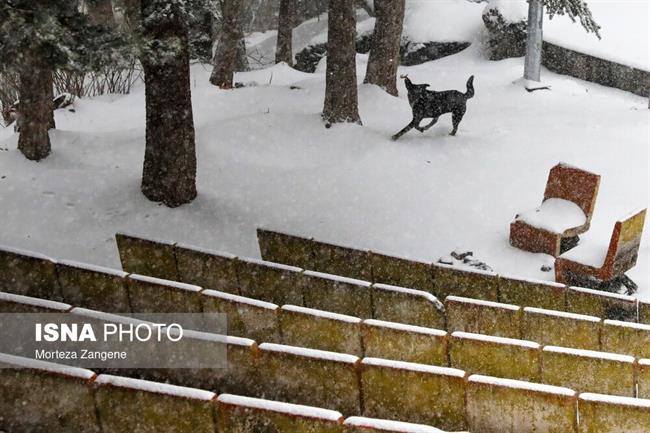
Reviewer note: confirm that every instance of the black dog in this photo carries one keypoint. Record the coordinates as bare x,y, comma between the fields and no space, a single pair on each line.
430,104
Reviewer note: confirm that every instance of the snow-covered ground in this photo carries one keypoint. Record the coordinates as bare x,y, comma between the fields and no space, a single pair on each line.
265,159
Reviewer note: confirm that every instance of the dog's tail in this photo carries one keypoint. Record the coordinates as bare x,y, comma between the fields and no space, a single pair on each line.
470,87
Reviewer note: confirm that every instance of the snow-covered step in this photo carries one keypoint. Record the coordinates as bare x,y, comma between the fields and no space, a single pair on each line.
11,303
28,273
483,317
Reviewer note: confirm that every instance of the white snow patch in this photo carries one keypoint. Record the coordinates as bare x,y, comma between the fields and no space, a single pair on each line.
533,281
589,253
338,278
51,367
618,296
310,353
555,215
147,238
240,299
519,384
216,338
442,20
276,406
267,264
483,303
321,314
207,251
106,317
412,292
94,268
412,366
590,354
467,269
388,425
496,340
615,399
638,326
21,252
36,302
168,283
644,362
562,314
405,328
513,11
155,387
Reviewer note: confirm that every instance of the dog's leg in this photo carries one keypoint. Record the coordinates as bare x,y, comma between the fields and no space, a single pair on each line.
457,116
433,122
414,124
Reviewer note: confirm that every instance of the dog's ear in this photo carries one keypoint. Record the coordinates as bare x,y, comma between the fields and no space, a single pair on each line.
404,76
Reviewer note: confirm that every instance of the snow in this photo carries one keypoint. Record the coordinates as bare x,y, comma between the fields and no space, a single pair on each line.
273,265
276,406
512,11
265,160
20,362
518,384
442,20
321,314
405,328
94,268
496,340
312,353
533,281
216,338
594,292
388,425
483,303
155,387
36,302
337,278
169,283
637,326
467,269
624,30
563,314
412,366
644,362
21,252
207,251
554,215
589,253
412,292
240,299
590,354
614,399
155,240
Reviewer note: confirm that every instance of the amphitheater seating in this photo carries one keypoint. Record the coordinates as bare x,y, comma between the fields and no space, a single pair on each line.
293,367
444,280
12,303
565,212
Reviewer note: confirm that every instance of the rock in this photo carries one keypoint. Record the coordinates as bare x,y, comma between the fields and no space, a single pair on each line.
506,38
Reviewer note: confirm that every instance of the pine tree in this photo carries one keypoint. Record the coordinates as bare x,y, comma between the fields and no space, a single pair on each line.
169,172
225,58
341,100
575,9
36,37
384,55
284,51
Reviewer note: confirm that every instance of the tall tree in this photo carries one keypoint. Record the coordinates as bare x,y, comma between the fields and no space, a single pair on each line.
384,54
36,37
169,172
284,50
341,100
573,8
225,57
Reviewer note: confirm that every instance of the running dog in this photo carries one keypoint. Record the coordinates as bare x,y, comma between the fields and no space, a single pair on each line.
431,104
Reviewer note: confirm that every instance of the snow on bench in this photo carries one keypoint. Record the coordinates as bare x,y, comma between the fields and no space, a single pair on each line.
50,367
206,251
411,292
521,385
25,253
321,314
590,354
405,328
155,387
309,353
495,340
259,262
554,215
562,314
615,399
93,268
39,303
412,366
389,425
240,299
163,282
280,407
482,303
337,278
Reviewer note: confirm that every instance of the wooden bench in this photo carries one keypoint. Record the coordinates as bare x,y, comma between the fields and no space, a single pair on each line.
565,212
596,265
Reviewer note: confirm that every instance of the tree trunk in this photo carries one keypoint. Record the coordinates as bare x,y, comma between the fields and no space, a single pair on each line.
284,51
226,55
384,55
341,101
169,172
48,75
100,12
533,62
35,108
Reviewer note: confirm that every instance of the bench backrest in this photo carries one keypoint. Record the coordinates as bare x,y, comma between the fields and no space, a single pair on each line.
575,185
624,244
